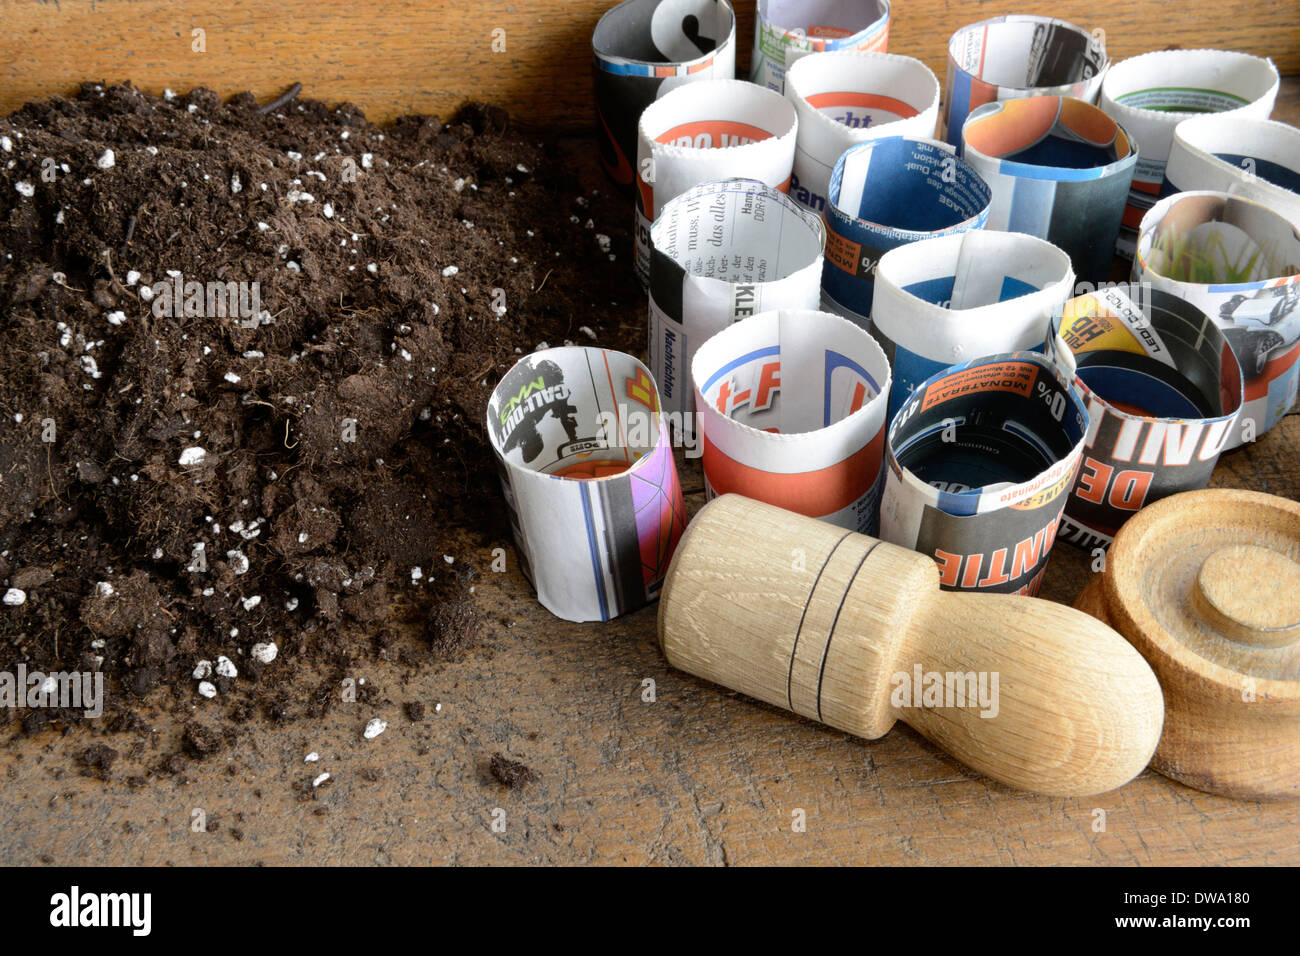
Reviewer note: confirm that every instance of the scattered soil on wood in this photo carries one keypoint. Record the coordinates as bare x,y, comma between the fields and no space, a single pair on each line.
247,360
511,773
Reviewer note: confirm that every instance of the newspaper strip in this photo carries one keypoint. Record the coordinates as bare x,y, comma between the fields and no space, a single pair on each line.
1060,169
792,412
722,129
723,252
849,97
1163,391
947,300
588,474
786,30
885,193
641,49
1257,159
979,463
1012,57
1149,95
1239,263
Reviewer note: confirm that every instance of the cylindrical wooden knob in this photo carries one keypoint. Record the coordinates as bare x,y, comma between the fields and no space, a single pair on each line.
1249,594
855,633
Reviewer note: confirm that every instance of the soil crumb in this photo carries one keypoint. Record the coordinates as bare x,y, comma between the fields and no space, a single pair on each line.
511,773
200,740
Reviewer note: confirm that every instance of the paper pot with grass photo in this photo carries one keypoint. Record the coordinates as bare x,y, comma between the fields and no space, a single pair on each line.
1239,262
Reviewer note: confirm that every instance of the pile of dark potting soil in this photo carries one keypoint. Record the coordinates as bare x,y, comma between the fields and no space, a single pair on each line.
178,484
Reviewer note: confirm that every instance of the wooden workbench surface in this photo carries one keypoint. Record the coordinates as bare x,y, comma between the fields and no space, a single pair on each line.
531,56
699,775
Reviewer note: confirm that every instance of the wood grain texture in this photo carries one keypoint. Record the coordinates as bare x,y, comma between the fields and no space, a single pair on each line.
797,613
695,776
1205,585
398,56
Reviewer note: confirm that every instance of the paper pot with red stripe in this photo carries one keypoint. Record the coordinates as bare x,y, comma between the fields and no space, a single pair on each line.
849,97
588,474
709,131
792,412
1237,261
723,252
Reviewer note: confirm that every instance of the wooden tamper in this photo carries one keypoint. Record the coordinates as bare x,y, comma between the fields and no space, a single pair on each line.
1206,584
835,625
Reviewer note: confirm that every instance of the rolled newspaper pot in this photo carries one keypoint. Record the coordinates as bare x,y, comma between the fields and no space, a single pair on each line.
849,97
1012,57
588,474
792,412
885,193
1149,95
947,300
1163,390
722,129
723,252
785,30
978,464
1256,159
1059,169
641,49
1239,263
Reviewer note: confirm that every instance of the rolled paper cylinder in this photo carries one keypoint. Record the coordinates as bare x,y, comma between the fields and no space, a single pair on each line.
723,252
786,30
721,129
979,462
588,474
1256,159
1060,169
947,300
792,412
1149,95
885,193
1238,262
641,49
850,97
1163,391
1011,57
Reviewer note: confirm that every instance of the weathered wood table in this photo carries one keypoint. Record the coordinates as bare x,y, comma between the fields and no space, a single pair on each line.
697,775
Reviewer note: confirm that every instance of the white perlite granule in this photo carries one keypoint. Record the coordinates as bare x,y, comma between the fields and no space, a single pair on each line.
265,652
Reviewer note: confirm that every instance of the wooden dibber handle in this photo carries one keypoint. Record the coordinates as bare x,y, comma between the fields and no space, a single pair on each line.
851,631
